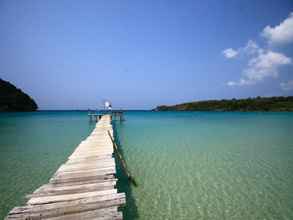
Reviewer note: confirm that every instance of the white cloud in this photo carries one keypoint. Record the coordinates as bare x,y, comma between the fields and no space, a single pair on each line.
287,86
263,62
230,53
231,83
241,82
251,48
262,65
280,34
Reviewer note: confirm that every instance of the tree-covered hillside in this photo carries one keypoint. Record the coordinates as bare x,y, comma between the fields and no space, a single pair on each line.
13,99
249,104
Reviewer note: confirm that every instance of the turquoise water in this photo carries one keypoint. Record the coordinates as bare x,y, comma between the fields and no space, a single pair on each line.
32,146
188,165
210,165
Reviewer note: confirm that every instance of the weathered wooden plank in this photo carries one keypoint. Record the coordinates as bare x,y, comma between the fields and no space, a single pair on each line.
57,187
93,149
89,162
85,166
97,178
93,166
83,181
89,158
50,189
101,154
68,197
91,153
84,173
106,213
100,201
65,208
103,214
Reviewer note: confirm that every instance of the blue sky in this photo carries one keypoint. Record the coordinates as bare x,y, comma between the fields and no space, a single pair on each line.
139,54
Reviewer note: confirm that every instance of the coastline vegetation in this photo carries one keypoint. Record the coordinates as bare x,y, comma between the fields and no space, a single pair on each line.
278,104
13,99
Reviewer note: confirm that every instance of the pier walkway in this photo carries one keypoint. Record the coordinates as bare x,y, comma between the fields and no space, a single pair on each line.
83,187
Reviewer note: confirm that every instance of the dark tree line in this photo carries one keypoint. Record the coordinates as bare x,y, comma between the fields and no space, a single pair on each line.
249,104
13,99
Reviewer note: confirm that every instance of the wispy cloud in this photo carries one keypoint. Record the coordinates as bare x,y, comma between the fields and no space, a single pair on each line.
230,53
287,86
280,34
263,62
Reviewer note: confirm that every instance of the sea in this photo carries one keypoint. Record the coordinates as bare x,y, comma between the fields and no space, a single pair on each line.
188,165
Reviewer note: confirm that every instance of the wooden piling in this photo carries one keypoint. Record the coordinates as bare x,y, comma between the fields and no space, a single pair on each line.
123,163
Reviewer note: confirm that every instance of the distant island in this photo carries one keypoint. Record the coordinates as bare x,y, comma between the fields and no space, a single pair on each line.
244,105
13,99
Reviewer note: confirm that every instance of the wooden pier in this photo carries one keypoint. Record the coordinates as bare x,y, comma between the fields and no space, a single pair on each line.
83,187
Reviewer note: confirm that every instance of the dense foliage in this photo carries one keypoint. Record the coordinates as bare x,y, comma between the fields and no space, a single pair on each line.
13,99
250,104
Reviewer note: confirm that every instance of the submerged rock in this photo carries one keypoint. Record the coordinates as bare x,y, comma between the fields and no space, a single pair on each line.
13,99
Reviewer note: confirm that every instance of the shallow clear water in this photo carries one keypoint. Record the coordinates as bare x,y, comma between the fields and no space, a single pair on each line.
32,147
210,165
188,165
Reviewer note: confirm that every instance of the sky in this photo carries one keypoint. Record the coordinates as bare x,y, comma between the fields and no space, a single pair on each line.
140,54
